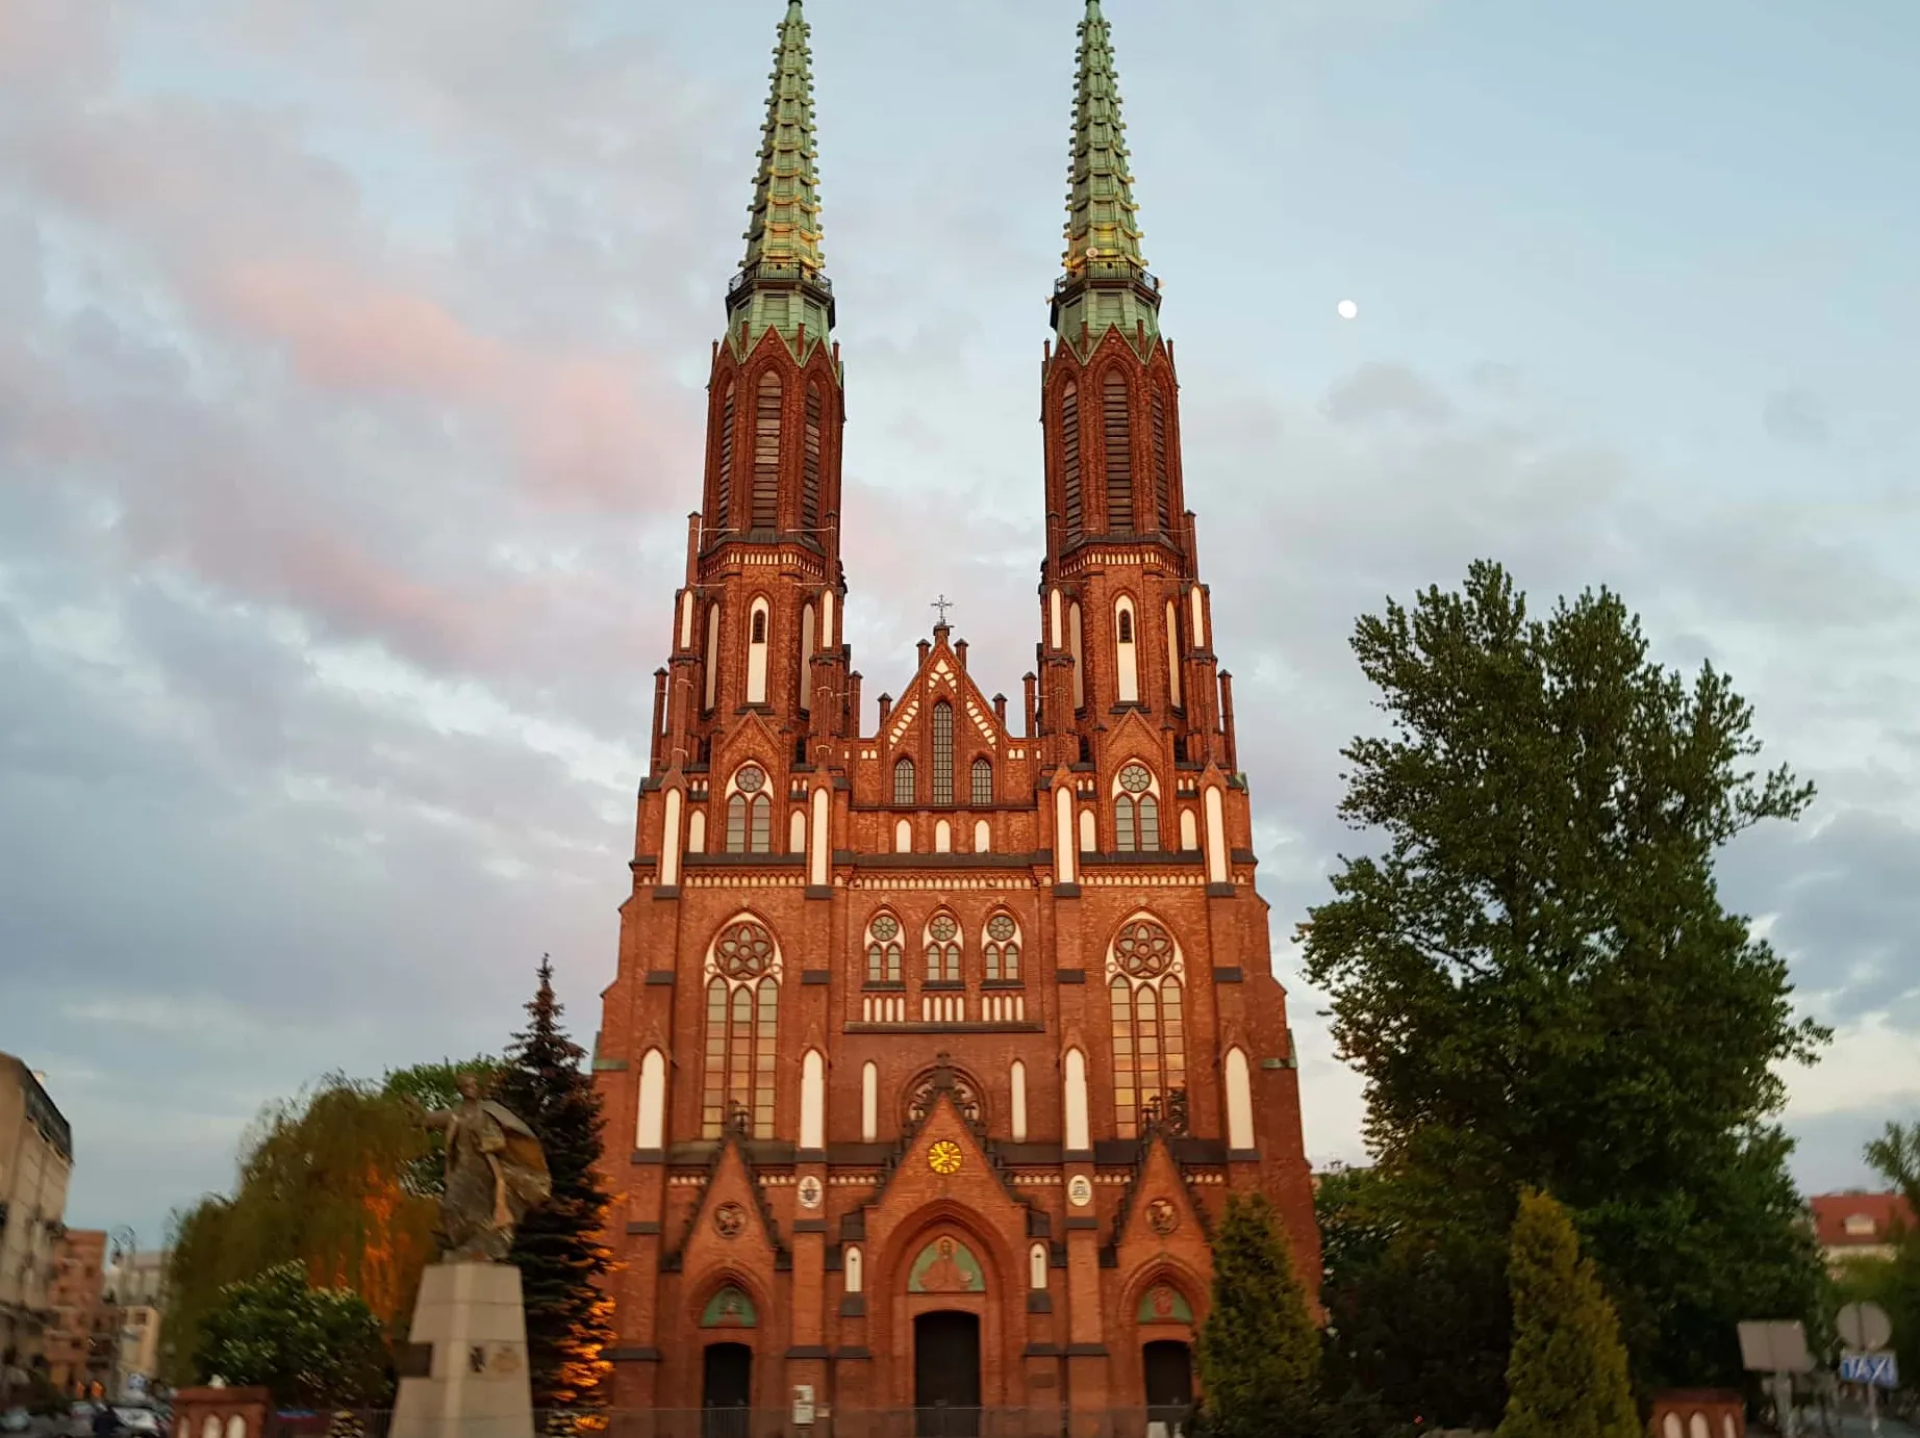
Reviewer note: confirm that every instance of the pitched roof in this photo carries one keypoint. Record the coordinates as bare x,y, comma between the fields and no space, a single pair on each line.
1858,1220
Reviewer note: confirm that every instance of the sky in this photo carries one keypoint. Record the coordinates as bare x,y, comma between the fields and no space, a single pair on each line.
351,366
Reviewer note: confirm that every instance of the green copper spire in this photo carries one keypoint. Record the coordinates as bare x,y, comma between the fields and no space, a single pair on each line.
1106,281
782,283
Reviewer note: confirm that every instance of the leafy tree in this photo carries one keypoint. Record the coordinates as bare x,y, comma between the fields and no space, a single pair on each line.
308,1346
1536,977
1895,1155
1416,1295
563,1262
1259,1351
1568,1375
338,1179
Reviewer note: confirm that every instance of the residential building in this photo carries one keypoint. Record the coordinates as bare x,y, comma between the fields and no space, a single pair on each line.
36,1163
83,1335
1858,1225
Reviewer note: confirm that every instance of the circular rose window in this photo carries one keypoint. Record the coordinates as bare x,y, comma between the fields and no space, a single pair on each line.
1135,779
751,780
1144,949
745,951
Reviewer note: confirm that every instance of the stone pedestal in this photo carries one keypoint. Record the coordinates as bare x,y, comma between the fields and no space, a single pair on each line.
465,1372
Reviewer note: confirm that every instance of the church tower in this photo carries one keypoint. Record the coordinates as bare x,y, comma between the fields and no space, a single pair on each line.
939,1035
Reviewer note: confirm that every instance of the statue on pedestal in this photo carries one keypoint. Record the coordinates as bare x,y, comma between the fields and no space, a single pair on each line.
496,1172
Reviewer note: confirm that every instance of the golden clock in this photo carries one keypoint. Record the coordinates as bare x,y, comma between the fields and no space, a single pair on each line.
944,1157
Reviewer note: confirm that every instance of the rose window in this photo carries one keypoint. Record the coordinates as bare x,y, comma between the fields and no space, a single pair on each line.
1144,950
745,951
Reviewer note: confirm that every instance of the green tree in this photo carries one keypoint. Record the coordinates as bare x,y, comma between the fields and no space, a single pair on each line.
1415,1288
1536,978
1895,1155
562,1259
1893,1282
1259,1351
1568,1374
308,1346
338,1179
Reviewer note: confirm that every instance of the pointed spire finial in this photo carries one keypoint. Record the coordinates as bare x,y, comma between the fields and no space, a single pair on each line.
1102,226
785,224
784,253
1106,283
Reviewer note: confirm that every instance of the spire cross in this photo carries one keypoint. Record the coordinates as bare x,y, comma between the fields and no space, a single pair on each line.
943,604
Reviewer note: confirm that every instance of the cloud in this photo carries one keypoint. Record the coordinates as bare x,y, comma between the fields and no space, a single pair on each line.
351,371
1795,417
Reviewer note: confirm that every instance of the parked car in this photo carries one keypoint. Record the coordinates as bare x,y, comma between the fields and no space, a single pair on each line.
15,1420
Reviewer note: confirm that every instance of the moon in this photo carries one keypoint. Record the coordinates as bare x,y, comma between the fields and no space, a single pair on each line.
1347,310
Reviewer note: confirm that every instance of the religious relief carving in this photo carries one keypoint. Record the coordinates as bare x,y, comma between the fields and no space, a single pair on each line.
1162,1217
946,1266
730,1220
810,1192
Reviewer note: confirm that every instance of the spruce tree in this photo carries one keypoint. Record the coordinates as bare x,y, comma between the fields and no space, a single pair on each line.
558,1248
1259,1348
1567,1377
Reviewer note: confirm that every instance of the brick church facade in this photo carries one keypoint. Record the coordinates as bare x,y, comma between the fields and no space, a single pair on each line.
939,1039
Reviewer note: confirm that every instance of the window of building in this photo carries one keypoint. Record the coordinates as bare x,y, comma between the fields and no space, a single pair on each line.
723,480
1002,948
1148,1022
743,1012
982,782
1070,459
943,950
903,789
943,753
1162,485
759,626
766,453
810,461
750,813
1136,812
1119,454
883,950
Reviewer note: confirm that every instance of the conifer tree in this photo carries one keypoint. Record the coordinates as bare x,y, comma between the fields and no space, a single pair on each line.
1567,1377
559,1248
1259,1348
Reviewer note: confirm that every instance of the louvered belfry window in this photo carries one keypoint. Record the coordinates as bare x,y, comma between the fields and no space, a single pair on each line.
810,462
1162,480
1119,454
1070,459
723,483
766,454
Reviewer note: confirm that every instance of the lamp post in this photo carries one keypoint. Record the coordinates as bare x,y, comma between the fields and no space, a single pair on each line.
126,1248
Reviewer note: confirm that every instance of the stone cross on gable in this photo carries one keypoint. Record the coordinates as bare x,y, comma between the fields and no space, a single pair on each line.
943,604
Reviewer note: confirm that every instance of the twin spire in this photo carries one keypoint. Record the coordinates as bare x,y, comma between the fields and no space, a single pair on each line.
782,281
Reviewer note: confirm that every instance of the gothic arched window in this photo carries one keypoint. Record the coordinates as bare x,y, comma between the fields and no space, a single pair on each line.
903,791
943,949
743,1017
750,813
810,461
1119,453
1162,483
1070,459
883,949
982,782
766,453
1002,948
723,478
925,1087
1149,1027
943,753
1136,812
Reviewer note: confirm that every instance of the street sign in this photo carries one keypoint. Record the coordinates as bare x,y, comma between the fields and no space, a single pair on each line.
1775,1348
1865,1326
1876,1370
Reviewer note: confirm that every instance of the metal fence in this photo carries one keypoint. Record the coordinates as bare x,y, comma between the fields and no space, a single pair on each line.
940,1422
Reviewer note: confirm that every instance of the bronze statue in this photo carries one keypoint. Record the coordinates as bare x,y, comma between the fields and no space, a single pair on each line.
495,1173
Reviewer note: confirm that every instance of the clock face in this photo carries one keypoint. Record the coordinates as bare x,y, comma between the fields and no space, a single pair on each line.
944,1157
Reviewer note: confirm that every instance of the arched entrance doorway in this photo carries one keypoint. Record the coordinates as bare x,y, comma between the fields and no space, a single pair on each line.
946,1374
726,1391
1167,1365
